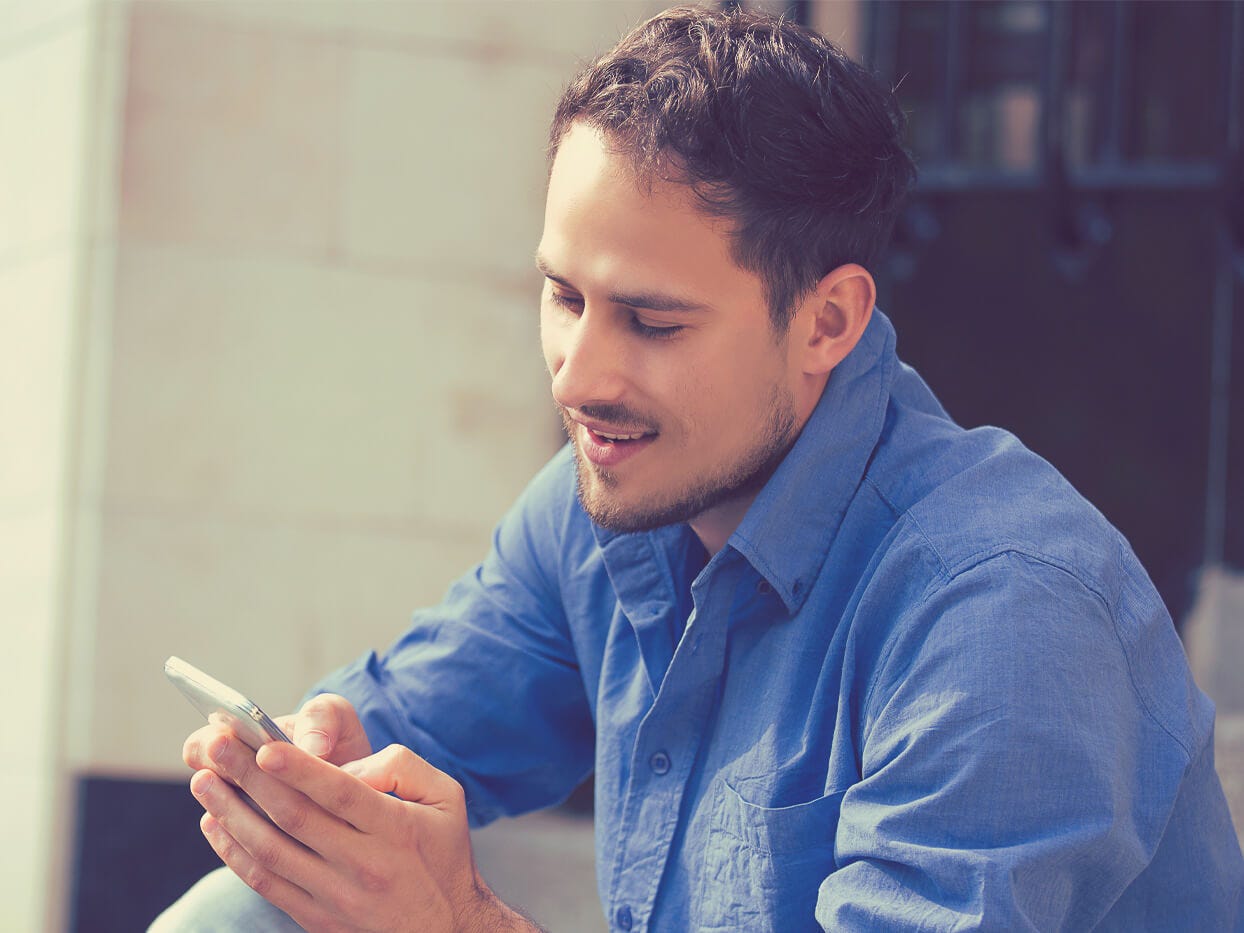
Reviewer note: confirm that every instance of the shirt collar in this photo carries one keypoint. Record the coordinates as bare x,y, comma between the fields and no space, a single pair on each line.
787,532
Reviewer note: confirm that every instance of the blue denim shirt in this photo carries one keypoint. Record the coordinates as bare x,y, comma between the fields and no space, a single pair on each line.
925,686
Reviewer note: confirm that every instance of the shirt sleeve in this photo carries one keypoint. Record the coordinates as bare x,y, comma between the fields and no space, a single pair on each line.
486,686
1013,776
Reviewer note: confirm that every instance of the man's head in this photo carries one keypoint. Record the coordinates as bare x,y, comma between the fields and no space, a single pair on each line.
717,183
772,127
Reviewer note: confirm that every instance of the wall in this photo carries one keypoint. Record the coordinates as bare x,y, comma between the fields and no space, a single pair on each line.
272,371
325,377
46,52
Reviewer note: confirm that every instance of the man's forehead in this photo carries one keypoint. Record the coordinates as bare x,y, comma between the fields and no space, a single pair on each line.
606,233
584,155
588,156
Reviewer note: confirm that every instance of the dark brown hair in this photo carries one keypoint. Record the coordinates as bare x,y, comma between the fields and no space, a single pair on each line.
772,127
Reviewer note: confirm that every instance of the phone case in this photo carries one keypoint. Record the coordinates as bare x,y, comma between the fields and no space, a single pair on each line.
223,705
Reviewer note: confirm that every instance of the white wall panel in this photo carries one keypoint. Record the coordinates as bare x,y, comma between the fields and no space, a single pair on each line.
35,314
43,66
42,85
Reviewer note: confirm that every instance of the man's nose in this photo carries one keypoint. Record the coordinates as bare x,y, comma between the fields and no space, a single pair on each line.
590,369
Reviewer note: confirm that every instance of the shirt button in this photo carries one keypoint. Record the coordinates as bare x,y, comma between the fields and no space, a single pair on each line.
623,918
764,587
660,762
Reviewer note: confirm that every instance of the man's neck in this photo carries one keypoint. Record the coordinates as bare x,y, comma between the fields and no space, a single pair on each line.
715,526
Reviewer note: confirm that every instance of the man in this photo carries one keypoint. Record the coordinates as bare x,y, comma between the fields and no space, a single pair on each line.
833,659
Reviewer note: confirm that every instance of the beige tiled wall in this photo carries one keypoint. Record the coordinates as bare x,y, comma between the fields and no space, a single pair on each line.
324,381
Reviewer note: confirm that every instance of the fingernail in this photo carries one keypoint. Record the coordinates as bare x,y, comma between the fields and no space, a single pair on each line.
271,757
219,750
201,783
315,743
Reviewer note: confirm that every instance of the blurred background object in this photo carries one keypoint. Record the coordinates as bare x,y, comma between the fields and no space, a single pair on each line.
272,369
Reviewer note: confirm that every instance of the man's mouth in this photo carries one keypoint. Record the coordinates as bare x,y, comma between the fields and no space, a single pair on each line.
609,449
606,436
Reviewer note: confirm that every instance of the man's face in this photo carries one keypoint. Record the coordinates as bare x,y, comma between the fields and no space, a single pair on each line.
675,389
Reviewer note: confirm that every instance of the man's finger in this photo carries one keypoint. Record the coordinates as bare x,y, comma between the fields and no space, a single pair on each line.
336,792
327,727
194,749
268,847
397,770
267,884
316,728
286,805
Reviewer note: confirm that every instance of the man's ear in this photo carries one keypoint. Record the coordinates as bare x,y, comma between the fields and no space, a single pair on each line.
832,318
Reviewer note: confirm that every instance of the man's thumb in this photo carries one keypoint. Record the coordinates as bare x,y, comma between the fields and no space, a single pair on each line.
316,727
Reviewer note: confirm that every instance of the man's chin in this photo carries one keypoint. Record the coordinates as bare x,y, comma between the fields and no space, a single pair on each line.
610,511
601,500
602,496
623,515
625,521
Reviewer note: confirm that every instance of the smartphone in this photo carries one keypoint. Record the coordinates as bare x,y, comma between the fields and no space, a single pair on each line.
222,705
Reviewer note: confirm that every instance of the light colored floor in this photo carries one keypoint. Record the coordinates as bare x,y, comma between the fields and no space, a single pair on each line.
1214,639
1229,758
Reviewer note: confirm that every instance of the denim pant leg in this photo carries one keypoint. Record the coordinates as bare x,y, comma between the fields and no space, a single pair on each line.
221,903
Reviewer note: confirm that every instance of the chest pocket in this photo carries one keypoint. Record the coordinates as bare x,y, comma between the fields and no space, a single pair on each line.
763,865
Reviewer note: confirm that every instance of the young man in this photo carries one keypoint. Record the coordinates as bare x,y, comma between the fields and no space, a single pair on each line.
833,659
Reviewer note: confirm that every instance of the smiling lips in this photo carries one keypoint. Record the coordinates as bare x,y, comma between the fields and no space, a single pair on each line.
610,448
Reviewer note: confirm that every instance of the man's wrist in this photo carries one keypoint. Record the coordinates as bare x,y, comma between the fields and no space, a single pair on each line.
489,914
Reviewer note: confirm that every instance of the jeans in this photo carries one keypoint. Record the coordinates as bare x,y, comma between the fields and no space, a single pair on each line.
221,903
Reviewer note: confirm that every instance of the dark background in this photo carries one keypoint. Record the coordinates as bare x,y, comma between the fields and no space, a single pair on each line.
1074,250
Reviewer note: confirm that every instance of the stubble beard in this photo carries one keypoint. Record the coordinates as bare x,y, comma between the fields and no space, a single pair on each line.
746,475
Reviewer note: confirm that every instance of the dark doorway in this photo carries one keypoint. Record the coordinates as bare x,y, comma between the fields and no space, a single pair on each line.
1074,250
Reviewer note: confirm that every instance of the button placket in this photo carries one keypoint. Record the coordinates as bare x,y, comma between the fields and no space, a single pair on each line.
654,790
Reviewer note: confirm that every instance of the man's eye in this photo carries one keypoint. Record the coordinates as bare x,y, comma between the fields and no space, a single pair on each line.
565,301
655,331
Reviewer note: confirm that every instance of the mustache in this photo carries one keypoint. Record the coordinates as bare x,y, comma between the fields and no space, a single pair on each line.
615,414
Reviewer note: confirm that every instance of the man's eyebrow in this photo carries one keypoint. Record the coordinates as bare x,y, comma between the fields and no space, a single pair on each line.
649,301
546,270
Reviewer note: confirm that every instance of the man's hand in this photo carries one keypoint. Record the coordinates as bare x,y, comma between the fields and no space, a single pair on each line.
327,727
340,853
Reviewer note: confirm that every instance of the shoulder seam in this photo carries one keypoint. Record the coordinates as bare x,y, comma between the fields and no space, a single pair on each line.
901,515
1002,550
